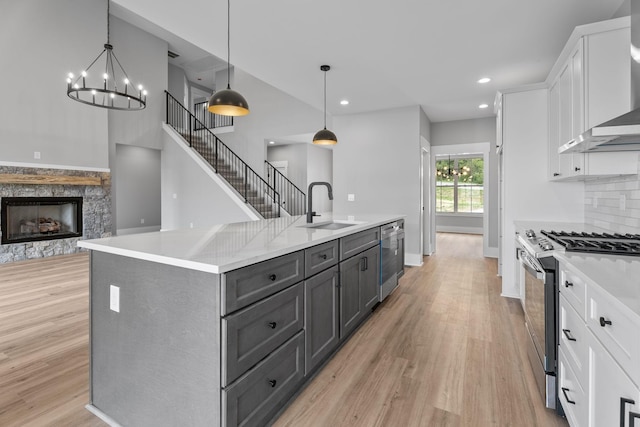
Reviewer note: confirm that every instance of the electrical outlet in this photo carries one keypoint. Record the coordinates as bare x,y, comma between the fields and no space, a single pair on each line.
175,196
190,225
351,197
623,202
36,155
114,298
141,220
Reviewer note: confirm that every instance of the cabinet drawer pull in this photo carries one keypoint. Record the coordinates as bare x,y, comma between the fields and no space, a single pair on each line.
272,325
272,277
567,333
623,404
323,256
577,169
567,284
604,322
272,383
556,174
564,391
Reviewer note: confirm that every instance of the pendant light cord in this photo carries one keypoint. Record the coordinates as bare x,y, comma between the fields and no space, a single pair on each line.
228,44
325,99
108,23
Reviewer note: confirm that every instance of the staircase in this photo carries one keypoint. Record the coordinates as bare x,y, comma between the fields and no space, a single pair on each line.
292,199
245,181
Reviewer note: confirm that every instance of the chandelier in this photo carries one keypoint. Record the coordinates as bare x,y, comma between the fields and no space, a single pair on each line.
110,89
448,172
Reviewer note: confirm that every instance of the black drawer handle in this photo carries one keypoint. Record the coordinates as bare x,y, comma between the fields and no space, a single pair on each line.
604,322
567,284
556,174
272,277
323,256
567,333
623,404
272,383
564,391
577,169
632,418
272,325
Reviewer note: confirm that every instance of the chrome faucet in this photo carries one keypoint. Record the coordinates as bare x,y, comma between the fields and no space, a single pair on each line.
310,212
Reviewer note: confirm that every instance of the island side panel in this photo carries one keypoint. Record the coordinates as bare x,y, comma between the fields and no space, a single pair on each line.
156,362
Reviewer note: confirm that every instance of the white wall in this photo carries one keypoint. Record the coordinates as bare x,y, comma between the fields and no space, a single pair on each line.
296,157
199,201
468,132
377,158
41,42
273,114
320,169
177,83
138,185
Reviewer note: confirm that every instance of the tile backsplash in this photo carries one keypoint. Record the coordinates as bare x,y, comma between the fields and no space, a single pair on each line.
614,204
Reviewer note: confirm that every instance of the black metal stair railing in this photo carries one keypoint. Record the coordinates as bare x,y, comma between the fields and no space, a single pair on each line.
255,190
293,199
207,120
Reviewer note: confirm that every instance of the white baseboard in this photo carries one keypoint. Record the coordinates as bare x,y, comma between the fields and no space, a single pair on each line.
456,229
491,252
137,230
414,260
508,295
104,417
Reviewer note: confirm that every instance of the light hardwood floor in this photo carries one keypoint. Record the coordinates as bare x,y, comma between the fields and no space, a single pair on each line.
444,350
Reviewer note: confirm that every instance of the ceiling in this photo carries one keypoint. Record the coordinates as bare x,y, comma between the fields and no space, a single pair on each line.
387,54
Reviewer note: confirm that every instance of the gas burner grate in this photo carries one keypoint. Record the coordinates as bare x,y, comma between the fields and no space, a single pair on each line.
601,243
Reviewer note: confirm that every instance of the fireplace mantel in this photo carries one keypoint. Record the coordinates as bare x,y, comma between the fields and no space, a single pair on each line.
7,178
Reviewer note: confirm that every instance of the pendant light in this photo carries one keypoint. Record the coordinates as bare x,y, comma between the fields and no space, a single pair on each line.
101,90
325,136
228,102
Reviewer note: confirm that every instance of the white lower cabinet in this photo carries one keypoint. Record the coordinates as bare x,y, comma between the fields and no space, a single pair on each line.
597,355
613,397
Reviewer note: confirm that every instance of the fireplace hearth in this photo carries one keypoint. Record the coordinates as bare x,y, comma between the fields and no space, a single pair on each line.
28,219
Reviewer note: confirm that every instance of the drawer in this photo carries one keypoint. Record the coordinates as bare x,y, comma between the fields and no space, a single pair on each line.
616,329
573,340
249,335
252,283
358,242
573,397
257,395
574,289
321,257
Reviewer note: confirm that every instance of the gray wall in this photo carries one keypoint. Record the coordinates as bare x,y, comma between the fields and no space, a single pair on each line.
474,131
177,84
296,157
41,42
138,188
145,59
377,158
199,201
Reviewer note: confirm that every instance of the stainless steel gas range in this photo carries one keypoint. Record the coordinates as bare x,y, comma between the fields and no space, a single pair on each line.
539,279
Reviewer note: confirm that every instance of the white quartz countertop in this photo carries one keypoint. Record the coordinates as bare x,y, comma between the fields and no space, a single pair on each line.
617,275
226,247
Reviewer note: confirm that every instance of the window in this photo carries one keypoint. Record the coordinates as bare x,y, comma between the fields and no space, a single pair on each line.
460,184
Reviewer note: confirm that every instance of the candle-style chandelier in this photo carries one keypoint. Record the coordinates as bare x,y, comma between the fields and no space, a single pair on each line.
104,90
448,172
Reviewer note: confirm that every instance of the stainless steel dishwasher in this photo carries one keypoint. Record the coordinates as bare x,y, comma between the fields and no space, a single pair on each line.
389,259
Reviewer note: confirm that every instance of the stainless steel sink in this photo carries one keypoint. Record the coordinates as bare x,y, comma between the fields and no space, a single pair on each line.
331,225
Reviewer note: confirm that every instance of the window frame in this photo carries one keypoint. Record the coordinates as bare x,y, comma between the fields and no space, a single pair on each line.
454,160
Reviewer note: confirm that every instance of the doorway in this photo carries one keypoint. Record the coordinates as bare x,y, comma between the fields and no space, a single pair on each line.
427,202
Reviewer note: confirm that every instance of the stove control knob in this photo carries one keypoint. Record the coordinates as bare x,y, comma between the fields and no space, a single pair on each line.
546,246
530,234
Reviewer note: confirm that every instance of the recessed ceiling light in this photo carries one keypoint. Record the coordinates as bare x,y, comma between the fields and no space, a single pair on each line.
484,80
483,105
344,102
272,142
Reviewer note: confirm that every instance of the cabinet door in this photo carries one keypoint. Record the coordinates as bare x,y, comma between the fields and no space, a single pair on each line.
350,295
370,278
611,392
565,119
554,131
320,316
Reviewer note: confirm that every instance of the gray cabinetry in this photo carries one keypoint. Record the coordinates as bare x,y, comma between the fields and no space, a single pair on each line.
249,284
251,334
257,395
359,281
320,257
320,316
358,242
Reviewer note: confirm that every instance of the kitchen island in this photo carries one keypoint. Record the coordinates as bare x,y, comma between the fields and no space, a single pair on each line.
221,326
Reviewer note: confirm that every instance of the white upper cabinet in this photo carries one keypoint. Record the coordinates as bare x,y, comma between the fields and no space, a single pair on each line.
589,85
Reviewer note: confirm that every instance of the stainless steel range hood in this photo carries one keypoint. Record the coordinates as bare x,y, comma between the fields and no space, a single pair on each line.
623,132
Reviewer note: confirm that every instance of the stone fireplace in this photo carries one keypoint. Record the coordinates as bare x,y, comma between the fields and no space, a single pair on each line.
44,212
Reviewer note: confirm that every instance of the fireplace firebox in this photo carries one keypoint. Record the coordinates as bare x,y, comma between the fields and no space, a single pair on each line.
27,219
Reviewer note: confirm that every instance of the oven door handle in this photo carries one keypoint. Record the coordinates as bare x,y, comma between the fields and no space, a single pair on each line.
532,269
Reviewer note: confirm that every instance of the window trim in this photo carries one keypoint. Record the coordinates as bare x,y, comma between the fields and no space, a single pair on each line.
455,158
